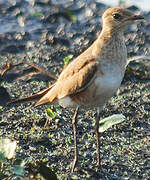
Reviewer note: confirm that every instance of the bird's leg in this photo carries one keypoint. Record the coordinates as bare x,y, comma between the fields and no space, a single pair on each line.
74,124
97,136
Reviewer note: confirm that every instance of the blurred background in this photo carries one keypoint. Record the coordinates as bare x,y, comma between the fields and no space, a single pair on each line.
142,4
22,22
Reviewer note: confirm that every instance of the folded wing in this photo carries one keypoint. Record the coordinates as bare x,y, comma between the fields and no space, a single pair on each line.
77,76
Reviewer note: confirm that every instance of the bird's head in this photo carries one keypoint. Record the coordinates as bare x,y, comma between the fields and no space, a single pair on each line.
118,19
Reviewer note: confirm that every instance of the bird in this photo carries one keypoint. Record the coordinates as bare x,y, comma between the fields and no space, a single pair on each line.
93,77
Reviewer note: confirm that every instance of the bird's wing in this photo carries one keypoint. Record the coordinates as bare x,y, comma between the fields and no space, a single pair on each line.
31,98
77,76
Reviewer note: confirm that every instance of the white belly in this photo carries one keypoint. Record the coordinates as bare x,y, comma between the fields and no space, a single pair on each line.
109,83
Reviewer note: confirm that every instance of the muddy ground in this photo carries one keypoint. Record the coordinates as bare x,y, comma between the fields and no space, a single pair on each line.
44,33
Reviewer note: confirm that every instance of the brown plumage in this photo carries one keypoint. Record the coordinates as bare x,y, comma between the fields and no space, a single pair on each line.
35,97
95,75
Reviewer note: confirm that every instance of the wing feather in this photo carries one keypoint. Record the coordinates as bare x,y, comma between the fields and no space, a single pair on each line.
77,76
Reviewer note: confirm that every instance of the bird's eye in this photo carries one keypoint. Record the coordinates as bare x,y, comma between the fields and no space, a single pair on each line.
117,16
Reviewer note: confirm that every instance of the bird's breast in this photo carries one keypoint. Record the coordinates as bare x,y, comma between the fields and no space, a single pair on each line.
111,80
103,87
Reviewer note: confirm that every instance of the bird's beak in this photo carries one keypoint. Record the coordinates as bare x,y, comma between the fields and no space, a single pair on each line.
135,17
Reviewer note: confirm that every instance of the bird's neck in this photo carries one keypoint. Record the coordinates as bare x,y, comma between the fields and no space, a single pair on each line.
110,47
110,33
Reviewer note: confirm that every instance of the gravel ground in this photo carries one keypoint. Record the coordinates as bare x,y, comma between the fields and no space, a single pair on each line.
50,33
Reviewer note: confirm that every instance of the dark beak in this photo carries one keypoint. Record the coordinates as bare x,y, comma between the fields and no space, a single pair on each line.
136,17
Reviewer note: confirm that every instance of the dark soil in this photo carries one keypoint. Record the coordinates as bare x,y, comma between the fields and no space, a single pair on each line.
43,33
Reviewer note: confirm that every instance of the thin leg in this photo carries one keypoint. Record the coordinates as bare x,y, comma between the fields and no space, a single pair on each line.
97,136
74,124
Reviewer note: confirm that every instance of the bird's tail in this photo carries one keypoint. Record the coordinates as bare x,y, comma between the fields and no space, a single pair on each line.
35,97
